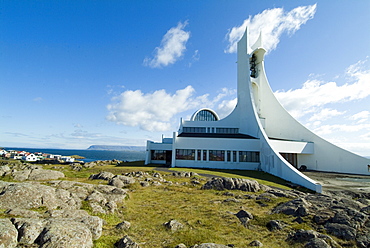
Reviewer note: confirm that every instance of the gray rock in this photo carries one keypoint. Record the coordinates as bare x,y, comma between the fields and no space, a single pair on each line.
244,217
144,184
125,179
116,182
234,184
125,225
341,231
256,243
67,213
126,242
322,217
104,175
184,174
23,212
41,174
180,246
28,229
303,235
296,207
59,233
8,234
4,169
27,196
93,223
317,243
275,225
173,225
21,175
209,245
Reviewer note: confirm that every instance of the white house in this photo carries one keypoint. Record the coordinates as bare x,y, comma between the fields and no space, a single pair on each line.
67,159
259,134
29,157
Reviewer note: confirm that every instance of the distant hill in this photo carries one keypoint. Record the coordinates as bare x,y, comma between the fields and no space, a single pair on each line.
117,148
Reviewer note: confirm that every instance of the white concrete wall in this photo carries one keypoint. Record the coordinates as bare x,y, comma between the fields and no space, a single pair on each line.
280,124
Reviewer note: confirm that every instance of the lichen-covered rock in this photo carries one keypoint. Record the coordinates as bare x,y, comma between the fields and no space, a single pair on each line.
341,231
60,233
256,243
41,174
31,195
8,234
29,229
126,242
125,225
275,225
104,175
244,217
226,183
173,225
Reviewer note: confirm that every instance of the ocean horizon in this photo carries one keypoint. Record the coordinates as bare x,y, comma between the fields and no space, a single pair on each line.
89,155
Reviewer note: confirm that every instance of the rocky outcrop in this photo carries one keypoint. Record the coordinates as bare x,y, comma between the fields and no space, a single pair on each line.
338,215
23,172
8,234
50,215
312,239
225,183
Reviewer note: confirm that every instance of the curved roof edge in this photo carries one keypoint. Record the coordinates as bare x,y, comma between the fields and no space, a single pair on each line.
205,109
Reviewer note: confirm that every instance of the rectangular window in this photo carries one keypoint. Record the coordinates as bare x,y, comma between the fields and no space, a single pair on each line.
245,156
227,130
228,156
185,154
204,155
194,129
199,153
158,155
234,156
216,155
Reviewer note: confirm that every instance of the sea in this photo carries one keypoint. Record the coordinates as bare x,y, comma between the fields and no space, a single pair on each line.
89,155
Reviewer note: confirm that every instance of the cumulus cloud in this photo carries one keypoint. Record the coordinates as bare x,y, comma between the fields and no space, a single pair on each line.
155,111
315,94
172,47
272,23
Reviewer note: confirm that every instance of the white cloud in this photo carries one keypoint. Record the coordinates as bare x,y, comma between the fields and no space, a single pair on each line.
172,47
325,114
361,116
272,23
156,111
315,94
149,111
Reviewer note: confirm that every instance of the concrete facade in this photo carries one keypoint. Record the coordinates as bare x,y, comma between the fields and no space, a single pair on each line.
259,134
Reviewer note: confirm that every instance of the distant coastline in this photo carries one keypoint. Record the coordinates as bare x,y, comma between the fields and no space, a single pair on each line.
116,148
90,155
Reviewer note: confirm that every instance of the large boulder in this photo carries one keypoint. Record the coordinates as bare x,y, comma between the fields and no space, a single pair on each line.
31,195
8,234
59,233
225,183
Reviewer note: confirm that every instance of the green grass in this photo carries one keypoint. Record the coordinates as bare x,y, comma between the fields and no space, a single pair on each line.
206,216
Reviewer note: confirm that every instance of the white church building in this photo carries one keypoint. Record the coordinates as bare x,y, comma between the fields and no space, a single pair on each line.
259,134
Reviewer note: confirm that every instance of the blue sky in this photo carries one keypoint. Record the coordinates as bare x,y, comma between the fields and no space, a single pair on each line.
81,73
